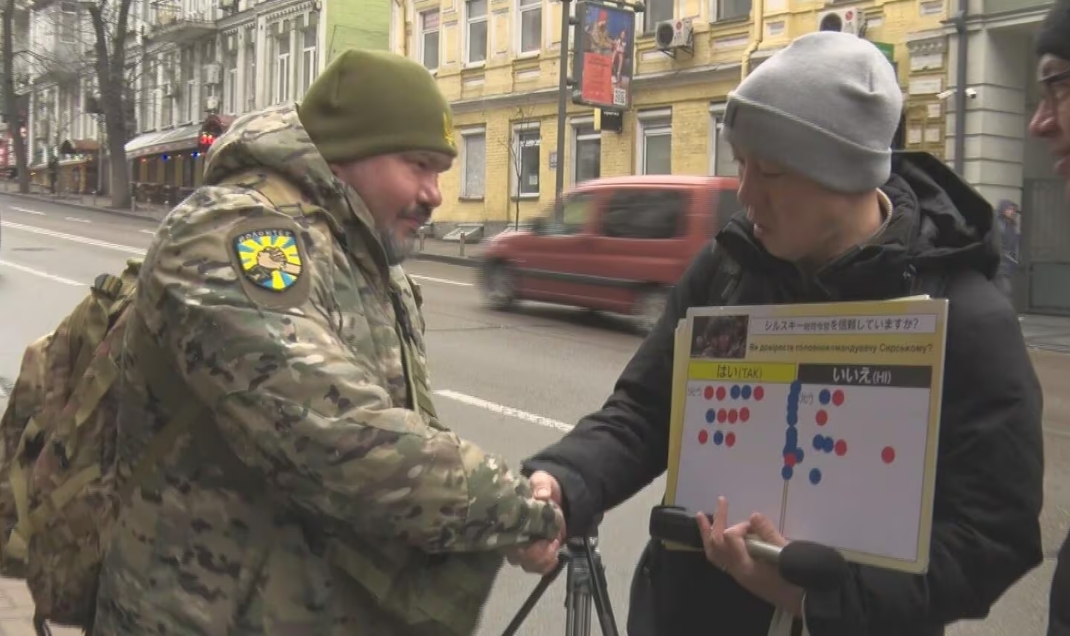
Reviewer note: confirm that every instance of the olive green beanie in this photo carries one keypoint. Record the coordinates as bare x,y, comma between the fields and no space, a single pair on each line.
368,103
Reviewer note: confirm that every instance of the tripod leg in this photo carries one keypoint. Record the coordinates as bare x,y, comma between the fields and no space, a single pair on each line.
606,621
578,596
536,594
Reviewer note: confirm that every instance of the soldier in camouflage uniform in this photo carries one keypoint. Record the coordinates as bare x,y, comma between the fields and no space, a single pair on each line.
319,494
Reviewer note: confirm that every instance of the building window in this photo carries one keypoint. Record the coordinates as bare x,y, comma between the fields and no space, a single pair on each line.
232,87
473,163
586,153
476,31
250,70
657,11
68,23
309,59
722,161
526,146
655,143
530,25
282,72
730,9
428,45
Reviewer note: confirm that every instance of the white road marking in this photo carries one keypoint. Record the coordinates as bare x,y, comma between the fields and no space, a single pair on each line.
35,272
441,280
74,238
26,211
501,409
76,219
149,232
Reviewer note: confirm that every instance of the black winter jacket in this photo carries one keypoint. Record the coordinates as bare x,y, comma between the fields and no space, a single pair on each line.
989,487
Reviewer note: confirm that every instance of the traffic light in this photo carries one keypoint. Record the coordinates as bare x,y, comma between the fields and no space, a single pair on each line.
205,142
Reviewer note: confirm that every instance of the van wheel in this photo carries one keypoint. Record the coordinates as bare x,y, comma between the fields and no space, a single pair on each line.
649,307
499,285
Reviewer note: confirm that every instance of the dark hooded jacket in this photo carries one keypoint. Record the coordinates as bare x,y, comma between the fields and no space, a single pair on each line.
989,488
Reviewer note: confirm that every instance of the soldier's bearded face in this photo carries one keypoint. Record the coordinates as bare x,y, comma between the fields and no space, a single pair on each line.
401,191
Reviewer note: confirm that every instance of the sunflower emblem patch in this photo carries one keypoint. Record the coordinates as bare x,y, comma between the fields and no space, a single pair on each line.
269,258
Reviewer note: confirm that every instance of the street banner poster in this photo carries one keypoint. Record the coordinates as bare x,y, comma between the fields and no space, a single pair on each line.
604,57
823,417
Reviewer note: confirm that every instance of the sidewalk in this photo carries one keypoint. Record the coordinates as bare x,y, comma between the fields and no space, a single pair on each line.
16,611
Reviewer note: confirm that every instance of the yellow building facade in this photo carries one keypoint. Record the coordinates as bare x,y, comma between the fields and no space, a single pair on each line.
498,63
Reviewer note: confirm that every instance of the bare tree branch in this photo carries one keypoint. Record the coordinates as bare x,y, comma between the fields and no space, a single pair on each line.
512,143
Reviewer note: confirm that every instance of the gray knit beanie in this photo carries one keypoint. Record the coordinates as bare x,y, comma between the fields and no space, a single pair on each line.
826,107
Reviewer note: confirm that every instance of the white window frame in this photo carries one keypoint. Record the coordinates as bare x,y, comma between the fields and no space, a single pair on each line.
68,17
232,89
467,35
309,59
651,123
514,168
716,122
575,124
521,9
466,134
421,37
282,75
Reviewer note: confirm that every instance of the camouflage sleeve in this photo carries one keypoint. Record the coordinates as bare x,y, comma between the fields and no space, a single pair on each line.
247,304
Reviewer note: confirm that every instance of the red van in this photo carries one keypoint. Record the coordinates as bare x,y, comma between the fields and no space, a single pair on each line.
622,244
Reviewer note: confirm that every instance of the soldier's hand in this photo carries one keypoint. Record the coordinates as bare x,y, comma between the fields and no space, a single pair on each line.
545,487
540,557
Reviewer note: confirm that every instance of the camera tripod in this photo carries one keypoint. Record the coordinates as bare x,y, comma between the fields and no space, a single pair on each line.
586,582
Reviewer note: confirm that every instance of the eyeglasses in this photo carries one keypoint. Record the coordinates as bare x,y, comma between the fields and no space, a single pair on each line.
1056,87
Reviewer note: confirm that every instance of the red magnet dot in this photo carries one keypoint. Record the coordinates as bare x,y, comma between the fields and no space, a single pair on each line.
744,414
722,415
822,418
841,448
759,393
703,437
837,397
790,459
888,455
730,440
732,416
720,393
708,393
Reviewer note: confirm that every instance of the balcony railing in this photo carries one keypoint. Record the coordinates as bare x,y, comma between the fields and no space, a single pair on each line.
176,27
991,7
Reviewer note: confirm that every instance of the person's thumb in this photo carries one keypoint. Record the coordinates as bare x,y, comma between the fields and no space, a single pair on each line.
546,487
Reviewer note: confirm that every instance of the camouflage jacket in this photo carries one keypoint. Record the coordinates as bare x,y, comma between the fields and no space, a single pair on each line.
315,498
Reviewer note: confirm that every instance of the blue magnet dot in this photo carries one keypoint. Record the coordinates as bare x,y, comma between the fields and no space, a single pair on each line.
735,391
786,472
788,448
793,418
815,476
798,455
718,438
796,386
711,415
746,392
824,396
819,442
791,436
829,444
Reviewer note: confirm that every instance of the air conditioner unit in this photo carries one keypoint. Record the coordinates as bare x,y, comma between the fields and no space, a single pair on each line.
848,20
673,34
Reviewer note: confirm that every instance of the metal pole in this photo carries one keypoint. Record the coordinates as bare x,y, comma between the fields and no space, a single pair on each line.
100,154
562,106
960,88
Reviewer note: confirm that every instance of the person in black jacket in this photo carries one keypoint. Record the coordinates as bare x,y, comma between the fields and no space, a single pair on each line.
1051,122
833,215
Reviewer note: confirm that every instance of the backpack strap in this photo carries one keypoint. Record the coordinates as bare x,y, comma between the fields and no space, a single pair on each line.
726,277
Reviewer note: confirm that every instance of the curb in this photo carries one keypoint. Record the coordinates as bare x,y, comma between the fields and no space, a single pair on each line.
82,206
463,261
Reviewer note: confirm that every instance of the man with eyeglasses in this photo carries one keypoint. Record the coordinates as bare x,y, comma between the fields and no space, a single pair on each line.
1051,122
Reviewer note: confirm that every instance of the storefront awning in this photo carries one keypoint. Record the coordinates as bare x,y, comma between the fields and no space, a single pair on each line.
154,143
79,147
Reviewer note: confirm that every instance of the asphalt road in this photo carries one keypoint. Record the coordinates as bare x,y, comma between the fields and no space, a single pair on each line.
511,382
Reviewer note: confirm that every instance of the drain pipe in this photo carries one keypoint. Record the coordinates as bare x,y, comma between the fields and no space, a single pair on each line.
759,31
960,87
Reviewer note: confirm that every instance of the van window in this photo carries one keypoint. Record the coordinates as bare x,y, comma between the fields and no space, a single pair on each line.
726,205
577,209
646,213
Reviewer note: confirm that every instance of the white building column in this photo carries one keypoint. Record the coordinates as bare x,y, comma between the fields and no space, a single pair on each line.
996,117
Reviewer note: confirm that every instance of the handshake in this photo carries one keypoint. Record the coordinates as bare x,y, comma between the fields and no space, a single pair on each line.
540,557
